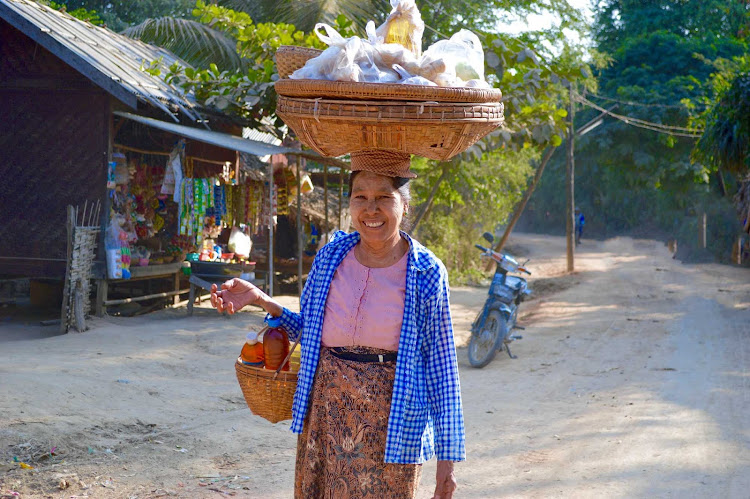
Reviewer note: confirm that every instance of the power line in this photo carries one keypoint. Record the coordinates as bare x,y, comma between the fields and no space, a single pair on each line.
634,103
655,127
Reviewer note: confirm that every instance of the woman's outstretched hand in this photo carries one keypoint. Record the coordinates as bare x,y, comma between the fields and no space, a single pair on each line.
235,294
445,481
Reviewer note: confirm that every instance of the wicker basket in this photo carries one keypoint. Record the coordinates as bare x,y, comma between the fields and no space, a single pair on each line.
290,58
430,129
384,91
269,394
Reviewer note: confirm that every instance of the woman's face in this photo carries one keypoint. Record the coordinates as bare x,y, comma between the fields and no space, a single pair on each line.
376,206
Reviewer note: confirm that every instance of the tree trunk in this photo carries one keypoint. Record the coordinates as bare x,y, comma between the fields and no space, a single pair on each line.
722,185
428,204
522,204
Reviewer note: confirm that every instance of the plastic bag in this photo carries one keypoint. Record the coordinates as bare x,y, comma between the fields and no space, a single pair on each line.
239,243
404,26
462,55
339,62
409,79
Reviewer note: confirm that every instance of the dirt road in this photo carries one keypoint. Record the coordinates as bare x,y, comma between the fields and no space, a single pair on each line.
631,381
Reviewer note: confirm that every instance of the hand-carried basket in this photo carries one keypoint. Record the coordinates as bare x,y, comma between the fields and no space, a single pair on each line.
269,394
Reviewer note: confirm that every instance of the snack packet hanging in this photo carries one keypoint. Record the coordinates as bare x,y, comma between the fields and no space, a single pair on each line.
404,26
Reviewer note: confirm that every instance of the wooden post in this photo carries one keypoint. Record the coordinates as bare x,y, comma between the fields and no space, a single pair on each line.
270,229
738,250
70,226
176,298
299,226
702,222
102,288
325,199
341,197
570,184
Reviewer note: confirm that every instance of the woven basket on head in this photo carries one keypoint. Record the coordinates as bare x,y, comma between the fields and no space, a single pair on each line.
290,58
384,91
430,129
268,393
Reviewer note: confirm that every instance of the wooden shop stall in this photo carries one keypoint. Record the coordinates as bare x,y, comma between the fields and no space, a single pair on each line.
82,118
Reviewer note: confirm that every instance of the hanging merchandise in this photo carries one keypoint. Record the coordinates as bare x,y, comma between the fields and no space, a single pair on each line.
175,166
121,168
219,210
111,184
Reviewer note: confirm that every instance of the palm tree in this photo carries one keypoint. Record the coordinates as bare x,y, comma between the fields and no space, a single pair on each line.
304,14
193,42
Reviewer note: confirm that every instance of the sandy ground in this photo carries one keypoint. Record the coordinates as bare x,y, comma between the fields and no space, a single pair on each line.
631,381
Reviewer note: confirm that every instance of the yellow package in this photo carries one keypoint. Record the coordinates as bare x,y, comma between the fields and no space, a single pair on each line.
404,26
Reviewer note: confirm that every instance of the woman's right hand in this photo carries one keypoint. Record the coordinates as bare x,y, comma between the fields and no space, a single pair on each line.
235,294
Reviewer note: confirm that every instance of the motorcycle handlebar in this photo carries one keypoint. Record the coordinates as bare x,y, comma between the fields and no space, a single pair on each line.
479,246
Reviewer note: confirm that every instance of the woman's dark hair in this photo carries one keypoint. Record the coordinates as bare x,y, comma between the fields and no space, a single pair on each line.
401,184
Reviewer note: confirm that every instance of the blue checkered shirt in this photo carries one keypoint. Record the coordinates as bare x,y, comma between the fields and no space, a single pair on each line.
426,416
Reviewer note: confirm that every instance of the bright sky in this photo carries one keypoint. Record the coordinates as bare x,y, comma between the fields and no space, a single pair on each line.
535,22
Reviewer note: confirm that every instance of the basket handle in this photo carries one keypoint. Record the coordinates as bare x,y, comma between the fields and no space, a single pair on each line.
288,356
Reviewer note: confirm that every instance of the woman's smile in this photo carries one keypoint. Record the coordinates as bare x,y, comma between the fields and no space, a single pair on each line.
377,208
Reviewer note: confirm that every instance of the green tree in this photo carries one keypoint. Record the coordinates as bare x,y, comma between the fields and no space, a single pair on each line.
532,69
81,13
628,176
725,142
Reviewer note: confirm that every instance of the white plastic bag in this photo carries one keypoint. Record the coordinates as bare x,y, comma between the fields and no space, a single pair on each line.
409,79
462,55
239,243
339,62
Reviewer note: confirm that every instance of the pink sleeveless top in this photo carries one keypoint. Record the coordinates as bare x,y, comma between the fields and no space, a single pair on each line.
365,306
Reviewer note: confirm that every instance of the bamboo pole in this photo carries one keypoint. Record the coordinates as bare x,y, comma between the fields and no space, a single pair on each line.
570,185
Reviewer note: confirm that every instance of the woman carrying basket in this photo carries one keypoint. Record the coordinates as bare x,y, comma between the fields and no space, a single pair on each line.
378,390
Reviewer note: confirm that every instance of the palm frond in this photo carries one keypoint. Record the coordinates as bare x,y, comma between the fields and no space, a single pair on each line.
306,13
195,43
261,11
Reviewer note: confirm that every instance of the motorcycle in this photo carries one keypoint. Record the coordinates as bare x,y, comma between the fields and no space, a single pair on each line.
492,329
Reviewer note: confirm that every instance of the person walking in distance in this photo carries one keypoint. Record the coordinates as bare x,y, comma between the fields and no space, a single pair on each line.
580,221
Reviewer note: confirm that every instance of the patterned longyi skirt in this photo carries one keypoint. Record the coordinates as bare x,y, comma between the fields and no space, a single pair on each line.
340,453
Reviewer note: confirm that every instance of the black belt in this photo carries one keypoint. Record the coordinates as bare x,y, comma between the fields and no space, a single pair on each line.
363,357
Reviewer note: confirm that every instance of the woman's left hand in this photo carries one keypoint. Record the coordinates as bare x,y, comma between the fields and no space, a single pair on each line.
445,481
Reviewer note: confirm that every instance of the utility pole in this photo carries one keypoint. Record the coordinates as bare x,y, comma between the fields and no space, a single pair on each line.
570,184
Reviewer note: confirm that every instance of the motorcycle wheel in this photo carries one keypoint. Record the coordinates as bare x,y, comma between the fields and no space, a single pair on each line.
484,345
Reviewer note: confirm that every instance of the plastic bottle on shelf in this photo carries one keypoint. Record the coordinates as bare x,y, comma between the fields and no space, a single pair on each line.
252,352
275,345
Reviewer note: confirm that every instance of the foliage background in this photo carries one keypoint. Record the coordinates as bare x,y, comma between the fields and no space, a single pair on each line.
664,61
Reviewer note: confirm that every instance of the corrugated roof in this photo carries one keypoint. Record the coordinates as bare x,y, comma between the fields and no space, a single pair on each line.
225,140
257,135
108,59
